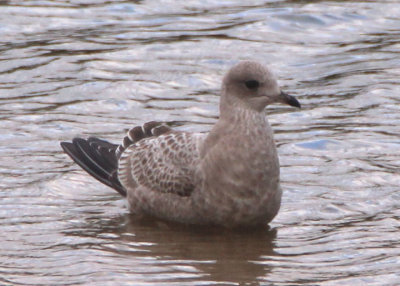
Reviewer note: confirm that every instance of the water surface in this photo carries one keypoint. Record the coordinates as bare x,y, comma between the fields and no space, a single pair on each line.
85,68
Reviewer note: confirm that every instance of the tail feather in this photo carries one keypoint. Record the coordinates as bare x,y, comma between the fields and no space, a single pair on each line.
98,162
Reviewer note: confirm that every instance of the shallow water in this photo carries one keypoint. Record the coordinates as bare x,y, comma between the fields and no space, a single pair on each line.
71,68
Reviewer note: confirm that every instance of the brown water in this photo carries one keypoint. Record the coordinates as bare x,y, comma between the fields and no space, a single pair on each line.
71,68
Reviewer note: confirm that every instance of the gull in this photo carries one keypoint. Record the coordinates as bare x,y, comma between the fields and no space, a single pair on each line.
227,177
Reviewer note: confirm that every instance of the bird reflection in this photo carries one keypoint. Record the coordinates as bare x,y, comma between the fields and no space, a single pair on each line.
218,255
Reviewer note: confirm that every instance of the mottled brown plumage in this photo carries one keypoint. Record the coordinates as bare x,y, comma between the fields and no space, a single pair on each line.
228,177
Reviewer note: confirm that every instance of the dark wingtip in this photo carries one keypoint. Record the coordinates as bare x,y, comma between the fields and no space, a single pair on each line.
68,148
81,153
65,144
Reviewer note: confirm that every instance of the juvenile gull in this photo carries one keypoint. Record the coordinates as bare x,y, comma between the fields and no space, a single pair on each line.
228,177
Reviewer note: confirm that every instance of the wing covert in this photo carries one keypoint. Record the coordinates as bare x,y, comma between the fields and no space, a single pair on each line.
166,163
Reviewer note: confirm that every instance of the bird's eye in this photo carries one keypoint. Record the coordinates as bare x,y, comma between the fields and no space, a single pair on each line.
252,84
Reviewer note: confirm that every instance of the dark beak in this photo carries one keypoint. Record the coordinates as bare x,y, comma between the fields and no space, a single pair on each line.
288,99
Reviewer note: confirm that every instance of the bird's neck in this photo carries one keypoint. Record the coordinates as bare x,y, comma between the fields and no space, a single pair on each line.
242,125
229,105
238,115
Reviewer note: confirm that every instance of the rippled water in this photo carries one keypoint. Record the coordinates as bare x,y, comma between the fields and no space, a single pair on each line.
72,68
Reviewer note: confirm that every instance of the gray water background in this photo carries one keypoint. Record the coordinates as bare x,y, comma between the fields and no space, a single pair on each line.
70,68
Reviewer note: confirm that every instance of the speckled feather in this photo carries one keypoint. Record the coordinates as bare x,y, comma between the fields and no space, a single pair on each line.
229,176
164,163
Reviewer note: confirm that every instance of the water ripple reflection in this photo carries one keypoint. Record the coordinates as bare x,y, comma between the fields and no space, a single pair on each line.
99,67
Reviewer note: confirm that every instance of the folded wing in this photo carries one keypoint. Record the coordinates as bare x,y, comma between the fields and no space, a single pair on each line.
166,163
